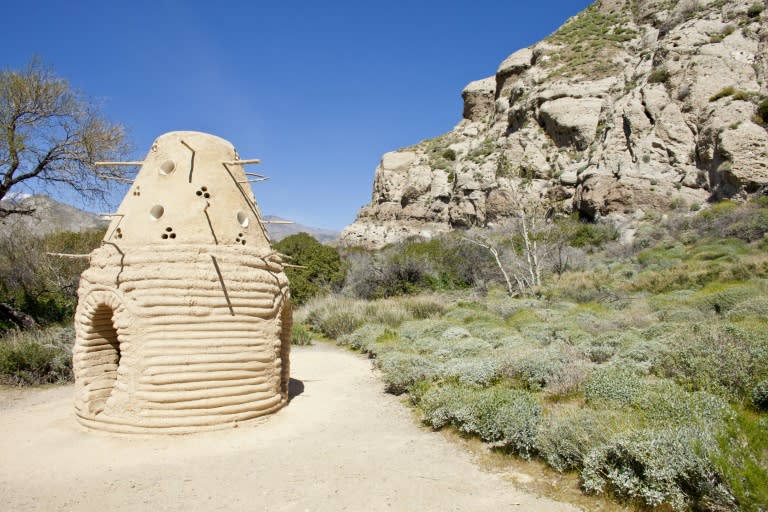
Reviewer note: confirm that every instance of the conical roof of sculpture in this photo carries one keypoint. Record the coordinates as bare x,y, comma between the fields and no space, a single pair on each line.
191,189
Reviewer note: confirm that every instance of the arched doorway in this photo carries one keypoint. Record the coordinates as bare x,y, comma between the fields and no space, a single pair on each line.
98,354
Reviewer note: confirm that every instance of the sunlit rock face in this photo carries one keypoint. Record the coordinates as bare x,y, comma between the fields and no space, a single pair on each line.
628,107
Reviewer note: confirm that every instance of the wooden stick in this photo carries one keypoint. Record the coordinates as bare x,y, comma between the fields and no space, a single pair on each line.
244,162
65,255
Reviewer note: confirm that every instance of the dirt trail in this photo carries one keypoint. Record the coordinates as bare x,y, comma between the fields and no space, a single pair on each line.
341,444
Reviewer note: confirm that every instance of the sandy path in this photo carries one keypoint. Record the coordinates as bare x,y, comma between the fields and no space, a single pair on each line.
342,444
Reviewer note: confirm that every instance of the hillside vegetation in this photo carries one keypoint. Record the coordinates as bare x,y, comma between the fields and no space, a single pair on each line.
643,367
38,296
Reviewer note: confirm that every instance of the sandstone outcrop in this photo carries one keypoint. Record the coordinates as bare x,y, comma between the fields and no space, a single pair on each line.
628,107
183,320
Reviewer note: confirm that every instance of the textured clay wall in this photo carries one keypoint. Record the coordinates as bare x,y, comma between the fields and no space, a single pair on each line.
183,321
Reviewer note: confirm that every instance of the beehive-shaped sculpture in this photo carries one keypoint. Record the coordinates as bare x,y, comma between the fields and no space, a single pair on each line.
183,317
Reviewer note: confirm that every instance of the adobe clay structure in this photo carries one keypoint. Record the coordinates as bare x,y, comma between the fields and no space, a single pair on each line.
183,320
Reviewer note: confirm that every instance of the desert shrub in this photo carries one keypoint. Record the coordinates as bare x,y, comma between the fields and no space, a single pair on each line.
323,270
441,263
759,395
658,76
416,329
722,298
477,371
424,307
756,306
762,110
388,312
401,370
657,467
505,416
565,441
300,335
723,93
600,353
362,338
666,404
332,316
594,235
612,385
728,219
455,348
719,358
644,354
740,459
37,356
568,379
37,283
754,10
536,368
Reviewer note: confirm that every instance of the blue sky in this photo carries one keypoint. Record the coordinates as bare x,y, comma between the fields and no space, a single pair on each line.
317,90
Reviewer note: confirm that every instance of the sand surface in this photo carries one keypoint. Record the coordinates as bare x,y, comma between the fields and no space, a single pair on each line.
341,444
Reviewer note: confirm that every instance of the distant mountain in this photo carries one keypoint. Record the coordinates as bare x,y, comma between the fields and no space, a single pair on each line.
49,216
279,231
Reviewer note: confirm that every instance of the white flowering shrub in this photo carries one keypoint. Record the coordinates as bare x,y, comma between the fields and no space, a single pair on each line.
617,385
505,416
655,467
401,370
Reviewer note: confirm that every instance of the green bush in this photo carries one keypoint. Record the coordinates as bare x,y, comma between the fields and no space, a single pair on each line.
565,441
478,371
505,416
719,358
740,459
755,9
442,263
723,93
300,335
762,110
322,272
534,369
38,283
37,357
613,385
362,338
658,76
402,370
759,395
657,467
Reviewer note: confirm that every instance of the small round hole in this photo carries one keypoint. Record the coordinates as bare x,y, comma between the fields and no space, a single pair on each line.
172,235
242,219
239,234
167,167
206,195
163,236
156,212
169,229
243,242
203,188
199,193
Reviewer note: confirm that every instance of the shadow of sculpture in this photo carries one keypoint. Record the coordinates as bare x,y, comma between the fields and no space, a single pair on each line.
295,388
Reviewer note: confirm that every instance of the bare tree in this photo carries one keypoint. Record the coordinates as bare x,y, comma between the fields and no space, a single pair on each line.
52,134
531,226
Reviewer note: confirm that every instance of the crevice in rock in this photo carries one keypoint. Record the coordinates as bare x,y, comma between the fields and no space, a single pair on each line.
628,137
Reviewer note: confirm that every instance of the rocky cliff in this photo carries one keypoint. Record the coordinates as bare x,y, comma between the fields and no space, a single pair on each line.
630,107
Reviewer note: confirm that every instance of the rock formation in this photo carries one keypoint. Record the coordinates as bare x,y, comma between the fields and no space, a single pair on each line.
629,107
183,321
